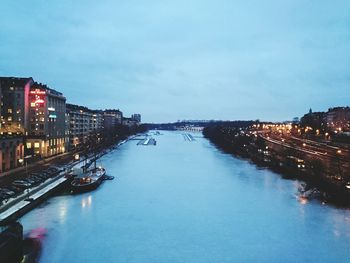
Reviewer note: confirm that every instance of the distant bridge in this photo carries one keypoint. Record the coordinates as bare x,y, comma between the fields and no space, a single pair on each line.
190,128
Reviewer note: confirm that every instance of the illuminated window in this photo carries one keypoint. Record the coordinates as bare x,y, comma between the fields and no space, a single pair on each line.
36,145
9,110
29,145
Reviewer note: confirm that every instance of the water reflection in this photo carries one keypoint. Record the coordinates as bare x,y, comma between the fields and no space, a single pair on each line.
32,244
302,200
86,201
62,210
341,224
211,208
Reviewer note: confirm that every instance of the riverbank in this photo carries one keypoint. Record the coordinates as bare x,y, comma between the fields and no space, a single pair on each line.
321,175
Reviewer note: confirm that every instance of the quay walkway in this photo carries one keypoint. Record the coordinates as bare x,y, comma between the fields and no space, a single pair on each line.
27,201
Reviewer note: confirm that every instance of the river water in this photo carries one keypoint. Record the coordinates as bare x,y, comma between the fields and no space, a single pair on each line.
183,201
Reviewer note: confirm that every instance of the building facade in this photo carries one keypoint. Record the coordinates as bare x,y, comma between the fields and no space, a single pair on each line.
82,123
338,118
14,103
136,117
13,120
112,118
129,122
97,120
47,121
11,151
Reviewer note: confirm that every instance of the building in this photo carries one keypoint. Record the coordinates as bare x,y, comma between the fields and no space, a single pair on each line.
14,118
112,118
97,120
36,112
15,104
82,122
47,121
314,120
136,117
338,118
130,122
11,151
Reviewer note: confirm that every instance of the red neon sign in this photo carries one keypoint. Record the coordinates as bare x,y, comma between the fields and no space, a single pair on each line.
38,91
39,101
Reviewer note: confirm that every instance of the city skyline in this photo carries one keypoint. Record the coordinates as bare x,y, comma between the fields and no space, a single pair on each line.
182,60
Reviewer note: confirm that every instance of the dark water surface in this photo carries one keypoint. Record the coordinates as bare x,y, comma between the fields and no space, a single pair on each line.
183,201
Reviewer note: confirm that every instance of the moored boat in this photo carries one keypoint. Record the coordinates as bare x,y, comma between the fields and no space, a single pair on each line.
88,180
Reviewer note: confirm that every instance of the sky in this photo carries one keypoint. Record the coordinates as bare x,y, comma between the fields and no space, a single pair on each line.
184,59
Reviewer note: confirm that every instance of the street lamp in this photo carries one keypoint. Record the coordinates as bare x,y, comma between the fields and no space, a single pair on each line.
76,157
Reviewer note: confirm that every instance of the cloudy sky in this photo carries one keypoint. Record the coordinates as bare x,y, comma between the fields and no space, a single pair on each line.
184,59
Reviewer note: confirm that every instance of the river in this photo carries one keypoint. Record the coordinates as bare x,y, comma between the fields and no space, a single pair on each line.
186,201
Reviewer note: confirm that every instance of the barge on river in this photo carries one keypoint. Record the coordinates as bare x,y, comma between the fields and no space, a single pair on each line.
88,180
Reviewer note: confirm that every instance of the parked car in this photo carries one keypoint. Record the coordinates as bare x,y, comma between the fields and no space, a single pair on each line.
6,192
29,181
3,197
34,174
54,170
15,189
21,183
45,175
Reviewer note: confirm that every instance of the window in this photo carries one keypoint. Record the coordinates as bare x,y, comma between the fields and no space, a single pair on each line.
9,110
36,145
29,145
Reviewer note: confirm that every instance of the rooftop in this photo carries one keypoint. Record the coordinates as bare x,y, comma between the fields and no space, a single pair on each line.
15,81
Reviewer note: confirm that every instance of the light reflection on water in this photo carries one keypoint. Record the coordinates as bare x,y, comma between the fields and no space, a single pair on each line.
86,201
62,211
185,201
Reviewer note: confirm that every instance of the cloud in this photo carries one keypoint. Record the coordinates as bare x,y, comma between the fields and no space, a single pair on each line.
174,59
